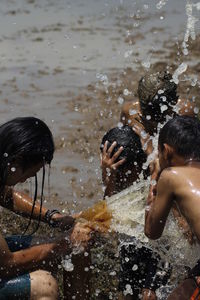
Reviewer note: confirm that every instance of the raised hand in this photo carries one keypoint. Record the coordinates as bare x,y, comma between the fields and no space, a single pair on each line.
109,165
145,139
81,234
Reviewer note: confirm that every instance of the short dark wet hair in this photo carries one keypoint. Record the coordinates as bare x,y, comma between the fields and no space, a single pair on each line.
183,134
156,90
126,137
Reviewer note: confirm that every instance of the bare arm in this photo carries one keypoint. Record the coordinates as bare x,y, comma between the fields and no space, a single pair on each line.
22,204
160,203
182,223
15,263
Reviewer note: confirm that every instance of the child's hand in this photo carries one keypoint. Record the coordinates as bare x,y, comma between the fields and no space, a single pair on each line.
108,161
145,140
154,169
81,234
64,222
109,164
148,295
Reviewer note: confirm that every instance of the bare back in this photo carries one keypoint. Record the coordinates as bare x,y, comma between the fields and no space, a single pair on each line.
187,194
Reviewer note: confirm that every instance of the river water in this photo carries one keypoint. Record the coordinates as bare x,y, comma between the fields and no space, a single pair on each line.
52,50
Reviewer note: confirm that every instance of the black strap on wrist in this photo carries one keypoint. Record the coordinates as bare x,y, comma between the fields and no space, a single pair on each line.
48,217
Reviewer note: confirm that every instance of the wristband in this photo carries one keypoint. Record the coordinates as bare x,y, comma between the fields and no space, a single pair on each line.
48,217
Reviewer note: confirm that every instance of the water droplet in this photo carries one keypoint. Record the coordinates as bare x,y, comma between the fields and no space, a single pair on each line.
181,69
161,3
120,125
126,92
126,259
67,265
146,64
163,108
128,53
13,169
113,273
135,267
132,112
160,92
5,154
120,100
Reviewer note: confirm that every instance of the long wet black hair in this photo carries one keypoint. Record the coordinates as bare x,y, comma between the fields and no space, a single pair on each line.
27,141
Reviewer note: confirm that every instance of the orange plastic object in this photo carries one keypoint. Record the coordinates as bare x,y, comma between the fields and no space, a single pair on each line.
196,295
98,217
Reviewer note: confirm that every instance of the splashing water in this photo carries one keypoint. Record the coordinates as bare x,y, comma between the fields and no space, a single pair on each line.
128,211
161,3
189,33
181,69
191,21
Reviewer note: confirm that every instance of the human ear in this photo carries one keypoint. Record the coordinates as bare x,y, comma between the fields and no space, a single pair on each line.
168,152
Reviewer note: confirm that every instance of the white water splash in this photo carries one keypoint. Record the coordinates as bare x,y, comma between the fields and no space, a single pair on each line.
191,21
181,69
128,210
161,3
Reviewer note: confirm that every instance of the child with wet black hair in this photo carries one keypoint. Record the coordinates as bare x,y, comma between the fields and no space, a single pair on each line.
157,101
26,146
122,160
177,184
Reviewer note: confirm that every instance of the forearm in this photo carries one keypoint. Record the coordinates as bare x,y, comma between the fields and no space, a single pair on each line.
110,187
149,221
22,204
109,181
33,258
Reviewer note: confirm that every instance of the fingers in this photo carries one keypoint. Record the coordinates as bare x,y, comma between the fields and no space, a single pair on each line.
107,160
119,163
136,129
117,153
110,150
105,147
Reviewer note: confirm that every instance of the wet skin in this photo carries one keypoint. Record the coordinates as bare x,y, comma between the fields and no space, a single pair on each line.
131,114
178,184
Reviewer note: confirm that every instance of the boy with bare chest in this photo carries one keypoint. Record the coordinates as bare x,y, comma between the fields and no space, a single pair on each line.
177,183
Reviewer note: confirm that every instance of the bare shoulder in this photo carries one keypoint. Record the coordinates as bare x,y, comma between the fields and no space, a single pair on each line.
170,175
173,177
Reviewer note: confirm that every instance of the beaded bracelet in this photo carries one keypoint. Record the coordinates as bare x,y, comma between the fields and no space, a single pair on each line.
48,217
